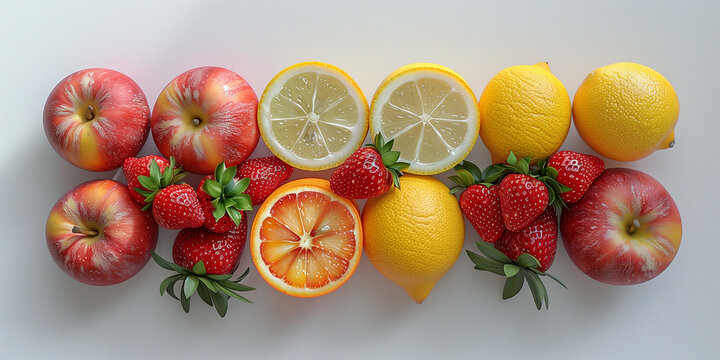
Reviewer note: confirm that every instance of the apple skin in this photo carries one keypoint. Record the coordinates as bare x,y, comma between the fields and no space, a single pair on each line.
95,118
205,116
125,234
603,239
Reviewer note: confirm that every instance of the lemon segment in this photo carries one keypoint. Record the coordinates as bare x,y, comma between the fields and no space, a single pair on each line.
430,112
313,116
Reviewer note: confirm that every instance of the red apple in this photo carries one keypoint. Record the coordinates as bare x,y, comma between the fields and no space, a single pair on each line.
206,116
95,118
98,235
625,230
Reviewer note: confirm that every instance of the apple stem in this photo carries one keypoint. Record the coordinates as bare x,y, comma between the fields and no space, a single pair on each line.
634,226
90,114
78,230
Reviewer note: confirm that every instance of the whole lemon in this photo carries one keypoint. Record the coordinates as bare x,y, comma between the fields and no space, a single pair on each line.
413,235
626,111
524,109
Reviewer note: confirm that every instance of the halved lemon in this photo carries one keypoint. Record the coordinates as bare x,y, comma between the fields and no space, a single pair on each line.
313,116
430,112
305,240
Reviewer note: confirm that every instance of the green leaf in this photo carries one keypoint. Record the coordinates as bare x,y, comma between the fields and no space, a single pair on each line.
209,284
219,277
219,211
235,286
162,262
190,285
234,215
242,202
144,193
232,294
171,287
167,176
185,301
199,268
513,286
528,261
456,179
170,280
492,253
522,166
511,159
244,274
213,188
485,264
204,294
177,177
542,163
474,170
466,177
551,196
550,276
243,184
551,172
493,172
221,303
181,269
510,270
148,182
390,157
456,189
154,170
146,207
400,166
227,175
536,288
219,170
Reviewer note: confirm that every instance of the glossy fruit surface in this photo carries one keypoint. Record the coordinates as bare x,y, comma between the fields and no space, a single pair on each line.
205,116
305,240
413,235
625,230
626,111
98,235
524,109
95,118
538,239
220,253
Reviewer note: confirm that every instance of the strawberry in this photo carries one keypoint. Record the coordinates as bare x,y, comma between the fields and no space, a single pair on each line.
369,171
479,201
134,167
522,256
177,207
145,177
522,199
220,253
576,171
205,261
222,199
538,239
265,174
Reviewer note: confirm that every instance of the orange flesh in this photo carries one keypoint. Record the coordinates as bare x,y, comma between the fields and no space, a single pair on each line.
308,240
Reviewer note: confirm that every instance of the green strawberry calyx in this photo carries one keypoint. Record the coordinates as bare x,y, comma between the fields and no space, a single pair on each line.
214,290
158,180
227,193
389,158
468,174
516,272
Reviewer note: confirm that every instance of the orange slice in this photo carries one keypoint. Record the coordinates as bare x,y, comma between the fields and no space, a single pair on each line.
305,240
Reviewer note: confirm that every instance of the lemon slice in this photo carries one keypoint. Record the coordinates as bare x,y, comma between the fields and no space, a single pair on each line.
430,112
313,116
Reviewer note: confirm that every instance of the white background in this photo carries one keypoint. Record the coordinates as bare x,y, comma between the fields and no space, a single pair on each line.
44,313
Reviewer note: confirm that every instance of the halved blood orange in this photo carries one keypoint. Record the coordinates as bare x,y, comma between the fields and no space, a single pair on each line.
305,240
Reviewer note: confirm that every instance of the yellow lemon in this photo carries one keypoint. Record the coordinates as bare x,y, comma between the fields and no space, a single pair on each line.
524,109
413,235
313,116
626,111
431,114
